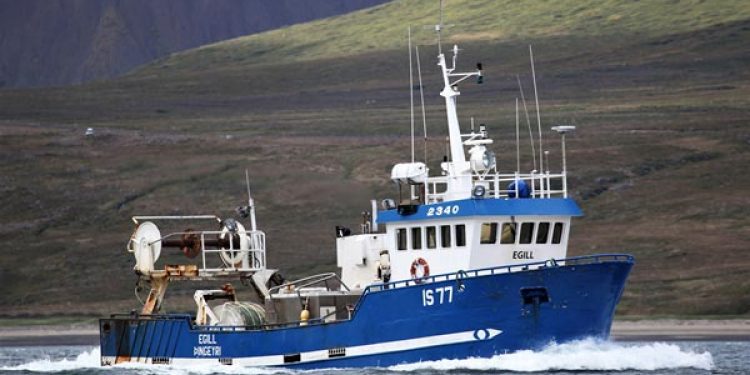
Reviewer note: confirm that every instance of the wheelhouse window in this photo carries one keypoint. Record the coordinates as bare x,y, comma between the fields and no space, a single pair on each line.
401,238
488,234
527,232
431,237
557,233
460,235
416,238
445,235
542,233
508,235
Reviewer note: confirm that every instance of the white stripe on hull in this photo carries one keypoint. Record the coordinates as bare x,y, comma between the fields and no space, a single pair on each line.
351,351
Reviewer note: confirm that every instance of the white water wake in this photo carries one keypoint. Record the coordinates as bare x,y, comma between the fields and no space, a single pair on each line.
87,359
583,355
90,359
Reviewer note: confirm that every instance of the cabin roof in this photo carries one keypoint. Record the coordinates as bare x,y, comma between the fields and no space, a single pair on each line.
486,207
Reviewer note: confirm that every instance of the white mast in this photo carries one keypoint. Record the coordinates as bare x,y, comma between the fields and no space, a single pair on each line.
454,131
458,169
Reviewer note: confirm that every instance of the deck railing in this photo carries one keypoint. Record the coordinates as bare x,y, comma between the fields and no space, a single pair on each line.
455,276
541,185
458,275
253,258
230,256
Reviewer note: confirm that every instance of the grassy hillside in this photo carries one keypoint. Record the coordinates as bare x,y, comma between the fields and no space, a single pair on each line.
659,91
383,27
46,44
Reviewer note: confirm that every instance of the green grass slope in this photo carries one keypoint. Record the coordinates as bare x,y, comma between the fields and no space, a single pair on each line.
384,27
660,92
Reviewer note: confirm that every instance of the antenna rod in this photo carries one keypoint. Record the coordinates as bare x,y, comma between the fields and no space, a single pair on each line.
411,96
528,122
421,98
439,28
518,143
250,203
247,183
538,117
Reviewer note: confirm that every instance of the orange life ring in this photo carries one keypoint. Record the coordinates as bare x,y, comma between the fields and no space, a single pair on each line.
425,270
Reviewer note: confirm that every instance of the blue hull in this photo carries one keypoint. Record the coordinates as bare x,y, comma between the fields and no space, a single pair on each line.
479,314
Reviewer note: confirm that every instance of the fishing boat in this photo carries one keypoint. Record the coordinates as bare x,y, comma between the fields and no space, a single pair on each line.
468,262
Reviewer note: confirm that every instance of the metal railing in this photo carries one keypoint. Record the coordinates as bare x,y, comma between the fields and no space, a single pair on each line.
207,328
497,185
135,315
252,258
297,285
459,275
246,256
455,276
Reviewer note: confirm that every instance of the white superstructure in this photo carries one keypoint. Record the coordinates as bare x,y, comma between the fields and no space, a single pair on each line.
469,217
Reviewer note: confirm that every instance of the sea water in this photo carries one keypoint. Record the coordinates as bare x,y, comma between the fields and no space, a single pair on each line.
589,356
